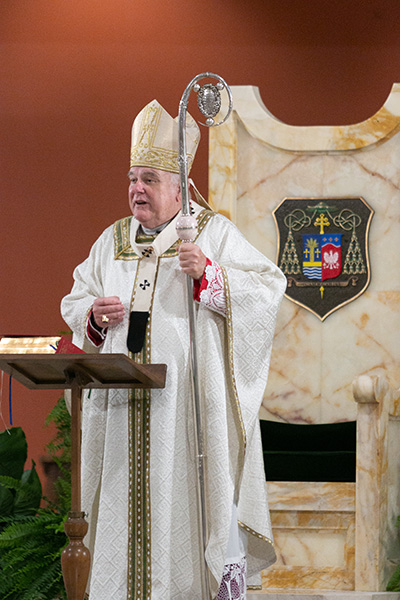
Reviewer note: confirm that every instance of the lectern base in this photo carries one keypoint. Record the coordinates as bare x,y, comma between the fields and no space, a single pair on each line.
75,558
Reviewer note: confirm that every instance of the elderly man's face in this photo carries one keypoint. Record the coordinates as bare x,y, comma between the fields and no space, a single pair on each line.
154,196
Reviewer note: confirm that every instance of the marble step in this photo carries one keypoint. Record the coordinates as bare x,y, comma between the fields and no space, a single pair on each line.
320,595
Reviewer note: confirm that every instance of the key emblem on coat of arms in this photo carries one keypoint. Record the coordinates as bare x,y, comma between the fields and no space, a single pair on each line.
323,251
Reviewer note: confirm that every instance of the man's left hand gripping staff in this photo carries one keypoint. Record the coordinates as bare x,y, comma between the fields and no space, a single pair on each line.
192,260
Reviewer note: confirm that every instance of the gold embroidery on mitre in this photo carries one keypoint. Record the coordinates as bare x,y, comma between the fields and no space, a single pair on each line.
155,141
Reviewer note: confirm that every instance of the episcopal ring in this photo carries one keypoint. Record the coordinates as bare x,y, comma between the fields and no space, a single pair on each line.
104,319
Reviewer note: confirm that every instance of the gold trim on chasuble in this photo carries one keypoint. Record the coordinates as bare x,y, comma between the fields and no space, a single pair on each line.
260,536
229,328
122,245
139,512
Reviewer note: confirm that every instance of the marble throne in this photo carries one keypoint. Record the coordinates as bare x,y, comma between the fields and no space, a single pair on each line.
329,536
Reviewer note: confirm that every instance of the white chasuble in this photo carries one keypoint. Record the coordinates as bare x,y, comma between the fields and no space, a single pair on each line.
138,461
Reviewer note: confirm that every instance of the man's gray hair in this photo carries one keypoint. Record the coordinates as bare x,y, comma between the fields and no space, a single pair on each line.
176,179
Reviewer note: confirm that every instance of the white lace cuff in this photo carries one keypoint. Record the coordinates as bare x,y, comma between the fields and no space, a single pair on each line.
213,296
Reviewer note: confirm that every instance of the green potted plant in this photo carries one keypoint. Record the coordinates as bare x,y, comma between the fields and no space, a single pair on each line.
32,538
20,491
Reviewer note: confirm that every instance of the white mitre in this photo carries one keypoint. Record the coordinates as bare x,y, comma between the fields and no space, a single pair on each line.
155,141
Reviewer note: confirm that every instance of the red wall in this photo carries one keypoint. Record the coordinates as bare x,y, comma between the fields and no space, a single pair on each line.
73,74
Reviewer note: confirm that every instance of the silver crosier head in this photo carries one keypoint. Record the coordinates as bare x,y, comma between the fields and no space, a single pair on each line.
209,103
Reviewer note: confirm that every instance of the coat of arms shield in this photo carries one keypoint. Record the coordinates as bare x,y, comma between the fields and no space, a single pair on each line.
323,251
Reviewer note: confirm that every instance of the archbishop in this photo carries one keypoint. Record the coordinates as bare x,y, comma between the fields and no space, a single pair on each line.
138,459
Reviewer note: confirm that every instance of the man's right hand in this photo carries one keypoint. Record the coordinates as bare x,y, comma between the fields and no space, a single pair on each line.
110,307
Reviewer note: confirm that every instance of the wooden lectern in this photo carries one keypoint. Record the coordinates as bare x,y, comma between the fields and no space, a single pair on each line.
75,372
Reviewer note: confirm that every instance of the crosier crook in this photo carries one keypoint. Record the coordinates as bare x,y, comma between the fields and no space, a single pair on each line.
209,103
